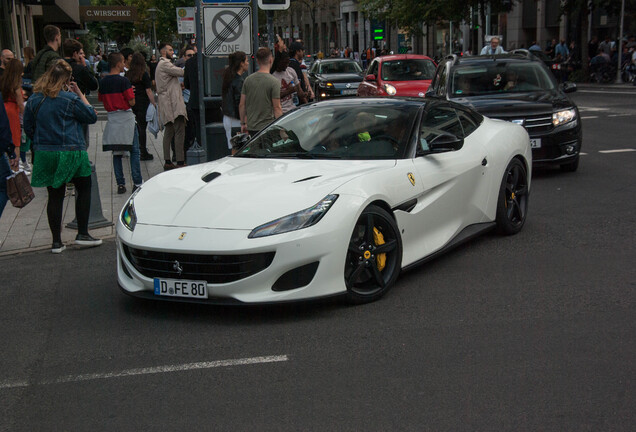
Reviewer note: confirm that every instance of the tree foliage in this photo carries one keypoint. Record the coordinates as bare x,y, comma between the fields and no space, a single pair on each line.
123,32
411,14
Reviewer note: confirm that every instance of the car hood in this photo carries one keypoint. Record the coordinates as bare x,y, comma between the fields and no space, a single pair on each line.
340,78
243,193
515,104
410,88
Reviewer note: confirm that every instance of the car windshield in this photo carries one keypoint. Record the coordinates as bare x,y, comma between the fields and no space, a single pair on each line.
499,77
345,132
408,70
340,67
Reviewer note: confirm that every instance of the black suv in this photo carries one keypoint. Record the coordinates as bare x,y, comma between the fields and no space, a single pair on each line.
517,87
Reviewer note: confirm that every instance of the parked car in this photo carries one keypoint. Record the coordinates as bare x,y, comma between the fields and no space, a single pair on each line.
331,78
334,198
519,88
407,75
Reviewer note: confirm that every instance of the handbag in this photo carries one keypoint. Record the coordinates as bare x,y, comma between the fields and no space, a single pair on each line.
19,189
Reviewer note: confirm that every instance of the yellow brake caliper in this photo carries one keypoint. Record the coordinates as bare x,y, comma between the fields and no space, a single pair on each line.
378,239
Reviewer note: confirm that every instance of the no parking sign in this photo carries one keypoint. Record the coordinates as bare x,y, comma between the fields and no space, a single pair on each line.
227,30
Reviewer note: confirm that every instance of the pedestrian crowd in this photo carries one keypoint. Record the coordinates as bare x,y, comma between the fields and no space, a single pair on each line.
45,114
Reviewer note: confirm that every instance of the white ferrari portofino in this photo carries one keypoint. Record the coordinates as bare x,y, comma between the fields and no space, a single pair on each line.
334,198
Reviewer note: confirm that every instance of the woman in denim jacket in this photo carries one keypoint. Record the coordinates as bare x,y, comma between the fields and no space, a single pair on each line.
53,120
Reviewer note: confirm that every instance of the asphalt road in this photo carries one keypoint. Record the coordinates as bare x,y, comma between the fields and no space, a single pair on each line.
531,332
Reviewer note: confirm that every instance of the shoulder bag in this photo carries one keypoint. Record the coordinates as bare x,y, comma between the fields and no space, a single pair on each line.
18,185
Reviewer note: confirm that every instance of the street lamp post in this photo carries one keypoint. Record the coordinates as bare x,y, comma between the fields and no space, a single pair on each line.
153,17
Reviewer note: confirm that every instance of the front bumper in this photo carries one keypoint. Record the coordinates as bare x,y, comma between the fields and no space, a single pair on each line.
324,245
558,146
337,91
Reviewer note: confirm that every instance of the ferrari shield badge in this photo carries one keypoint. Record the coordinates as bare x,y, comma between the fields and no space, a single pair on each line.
411,178
182,236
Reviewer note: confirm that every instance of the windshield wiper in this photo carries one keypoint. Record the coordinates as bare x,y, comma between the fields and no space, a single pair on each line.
304,155
250,155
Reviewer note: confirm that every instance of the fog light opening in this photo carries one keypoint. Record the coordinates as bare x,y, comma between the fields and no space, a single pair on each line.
570,149
296,278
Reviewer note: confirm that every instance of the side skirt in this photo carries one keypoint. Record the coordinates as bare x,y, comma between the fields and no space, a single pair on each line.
468,233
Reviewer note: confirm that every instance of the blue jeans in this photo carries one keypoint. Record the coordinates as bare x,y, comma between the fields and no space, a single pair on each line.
135,167
5,171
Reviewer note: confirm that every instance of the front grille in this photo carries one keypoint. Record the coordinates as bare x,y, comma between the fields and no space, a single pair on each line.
215,269
535,125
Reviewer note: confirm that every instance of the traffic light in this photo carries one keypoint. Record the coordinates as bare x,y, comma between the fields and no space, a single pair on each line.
273,4
377,30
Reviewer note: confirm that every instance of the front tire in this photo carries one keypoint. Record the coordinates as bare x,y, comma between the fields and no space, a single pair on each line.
374,256
512,205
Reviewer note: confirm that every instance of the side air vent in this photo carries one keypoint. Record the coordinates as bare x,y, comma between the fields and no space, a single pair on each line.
407,206
307,178
210,176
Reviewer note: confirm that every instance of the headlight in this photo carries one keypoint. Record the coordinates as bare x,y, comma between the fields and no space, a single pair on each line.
390,90
128,215
302,219
563,117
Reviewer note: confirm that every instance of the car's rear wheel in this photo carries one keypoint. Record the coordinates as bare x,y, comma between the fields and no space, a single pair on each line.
512,205
374,256
570,166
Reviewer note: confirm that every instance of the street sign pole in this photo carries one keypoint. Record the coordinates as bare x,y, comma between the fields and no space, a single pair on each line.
254,33
201,74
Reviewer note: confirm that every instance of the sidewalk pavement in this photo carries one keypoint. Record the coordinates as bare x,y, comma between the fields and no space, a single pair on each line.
27,229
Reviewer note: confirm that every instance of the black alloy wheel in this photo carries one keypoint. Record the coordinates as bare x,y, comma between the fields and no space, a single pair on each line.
512,205
374,256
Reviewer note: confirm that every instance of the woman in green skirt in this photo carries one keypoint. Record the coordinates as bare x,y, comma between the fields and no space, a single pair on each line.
53,120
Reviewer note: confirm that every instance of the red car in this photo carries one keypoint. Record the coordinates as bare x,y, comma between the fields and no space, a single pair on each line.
398,75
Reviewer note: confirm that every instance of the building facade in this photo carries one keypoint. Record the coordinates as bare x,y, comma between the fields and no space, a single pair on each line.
325,25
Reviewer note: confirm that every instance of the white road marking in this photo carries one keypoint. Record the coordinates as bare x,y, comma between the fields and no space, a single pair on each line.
584,108
148,371
588,117
583,154
617,150
627,92
618,115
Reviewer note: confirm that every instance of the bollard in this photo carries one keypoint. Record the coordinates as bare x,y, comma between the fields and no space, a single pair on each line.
195,154
216,141
96,218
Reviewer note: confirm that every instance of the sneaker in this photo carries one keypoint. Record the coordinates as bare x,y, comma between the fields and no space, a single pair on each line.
182,165
135,187
121,189
57,247
146,157
168,166
87,240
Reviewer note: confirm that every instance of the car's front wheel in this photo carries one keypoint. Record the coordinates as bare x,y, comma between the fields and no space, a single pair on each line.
512,205
374,256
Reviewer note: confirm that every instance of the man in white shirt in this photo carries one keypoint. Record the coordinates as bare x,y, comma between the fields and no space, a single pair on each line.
493,48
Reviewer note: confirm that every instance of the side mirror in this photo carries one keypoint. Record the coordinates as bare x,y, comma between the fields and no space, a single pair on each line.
370,77
445,142
568,87
239,140
430,92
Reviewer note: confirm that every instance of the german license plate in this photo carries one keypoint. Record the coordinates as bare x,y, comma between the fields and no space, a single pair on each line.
535,142
181,288
349,92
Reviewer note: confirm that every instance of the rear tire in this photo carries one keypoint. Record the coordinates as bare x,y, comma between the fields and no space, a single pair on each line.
512,205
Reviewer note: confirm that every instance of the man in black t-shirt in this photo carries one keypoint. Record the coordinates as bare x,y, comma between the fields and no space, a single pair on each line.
296,53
